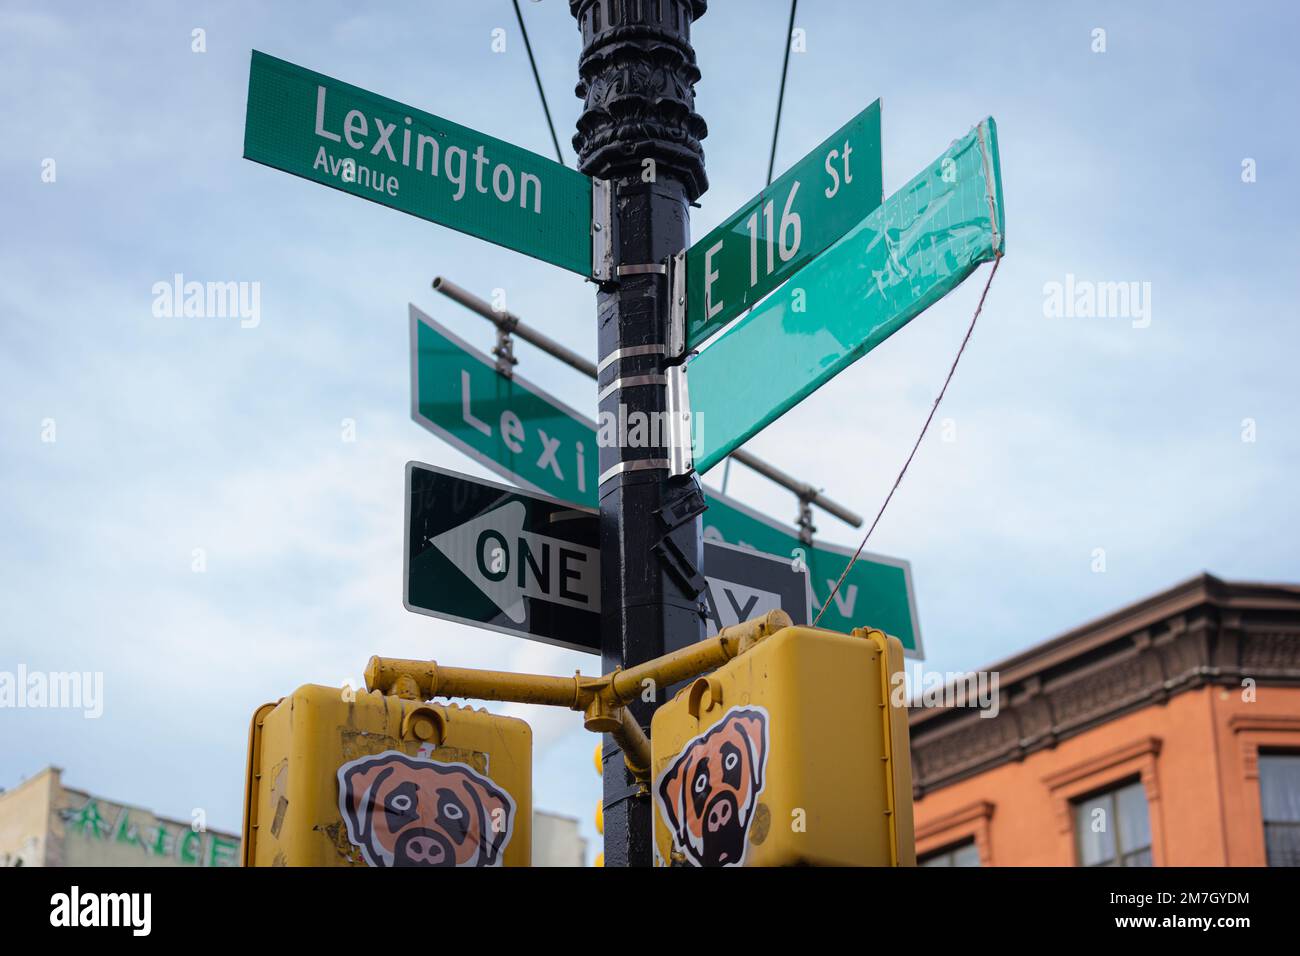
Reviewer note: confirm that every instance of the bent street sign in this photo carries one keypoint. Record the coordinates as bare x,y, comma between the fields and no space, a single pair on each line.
912,251
336,134
784,227
534,440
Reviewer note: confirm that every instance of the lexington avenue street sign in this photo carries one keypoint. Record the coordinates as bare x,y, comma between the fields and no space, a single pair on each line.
780,230
376,148
486,554
906,255
517,430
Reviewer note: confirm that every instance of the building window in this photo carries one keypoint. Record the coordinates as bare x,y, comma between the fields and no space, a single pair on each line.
963,854
1113,828
1279,793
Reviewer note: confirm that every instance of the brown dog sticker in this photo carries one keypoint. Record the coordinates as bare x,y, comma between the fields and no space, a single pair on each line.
709,792
408,811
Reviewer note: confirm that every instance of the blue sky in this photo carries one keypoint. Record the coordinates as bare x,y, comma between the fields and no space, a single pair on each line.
1072,434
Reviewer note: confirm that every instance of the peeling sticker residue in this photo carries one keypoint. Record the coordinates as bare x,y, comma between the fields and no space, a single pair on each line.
278,788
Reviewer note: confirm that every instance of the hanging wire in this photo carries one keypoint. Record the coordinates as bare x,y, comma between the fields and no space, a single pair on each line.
780,98
929,418
538,79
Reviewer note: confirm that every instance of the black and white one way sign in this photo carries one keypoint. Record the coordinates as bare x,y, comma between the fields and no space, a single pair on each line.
483,553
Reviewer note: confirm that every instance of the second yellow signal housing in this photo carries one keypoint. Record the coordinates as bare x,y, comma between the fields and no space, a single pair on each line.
794,753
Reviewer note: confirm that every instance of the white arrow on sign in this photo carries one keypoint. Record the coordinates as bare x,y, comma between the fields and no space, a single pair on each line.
509,564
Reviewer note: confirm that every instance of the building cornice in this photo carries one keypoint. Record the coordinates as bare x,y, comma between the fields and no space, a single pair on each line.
1202,631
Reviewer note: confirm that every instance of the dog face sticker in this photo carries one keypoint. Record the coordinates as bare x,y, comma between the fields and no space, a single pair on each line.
708,794
408,811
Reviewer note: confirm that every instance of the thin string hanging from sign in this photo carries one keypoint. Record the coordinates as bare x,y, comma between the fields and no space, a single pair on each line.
528,47
929,418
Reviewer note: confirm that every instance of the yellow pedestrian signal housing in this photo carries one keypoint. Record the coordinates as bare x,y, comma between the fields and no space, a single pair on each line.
793,753
343,778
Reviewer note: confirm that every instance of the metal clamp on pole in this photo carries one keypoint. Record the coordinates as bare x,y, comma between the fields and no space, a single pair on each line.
806,526
505,347
681,452
602,230
643,269
677,307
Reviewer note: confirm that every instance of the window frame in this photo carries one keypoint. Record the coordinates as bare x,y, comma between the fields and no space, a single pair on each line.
1257,733
1264,822
1108,771
967,824
951,850
1111,795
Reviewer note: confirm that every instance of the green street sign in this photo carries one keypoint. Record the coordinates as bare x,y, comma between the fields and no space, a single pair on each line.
507,425
905,256
526,436
333,133
784,227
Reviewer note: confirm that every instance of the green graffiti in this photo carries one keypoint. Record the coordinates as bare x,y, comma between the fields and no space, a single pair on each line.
127,832
188,846
221,851
163,842
191,846
87,820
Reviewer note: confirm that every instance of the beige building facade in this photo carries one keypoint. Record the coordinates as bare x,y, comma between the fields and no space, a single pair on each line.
44,823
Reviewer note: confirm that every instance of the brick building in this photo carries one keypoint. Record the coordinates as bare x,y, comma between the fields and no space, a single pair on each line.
1166,733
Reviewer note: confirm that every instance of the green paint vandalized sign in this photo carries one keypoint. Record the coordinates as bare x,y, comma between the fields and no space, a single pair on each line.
333,133
909,253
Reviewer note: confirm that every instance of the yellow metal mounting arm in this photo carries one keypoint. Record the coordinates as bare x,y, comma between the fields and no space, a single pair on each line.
602,700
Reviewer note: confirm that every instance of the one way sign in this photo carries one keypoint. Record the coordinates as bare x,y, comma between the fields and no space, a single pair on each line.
515,561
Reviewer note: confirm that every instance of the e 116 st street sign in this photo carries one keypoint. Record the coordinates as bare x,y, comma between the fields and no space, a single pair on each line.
376,148
906,255
528,437
780,230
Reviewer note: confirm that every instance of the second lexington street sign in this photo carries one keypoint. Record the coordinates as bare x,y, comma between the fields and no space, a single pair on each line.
336,134
532,439
780,230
